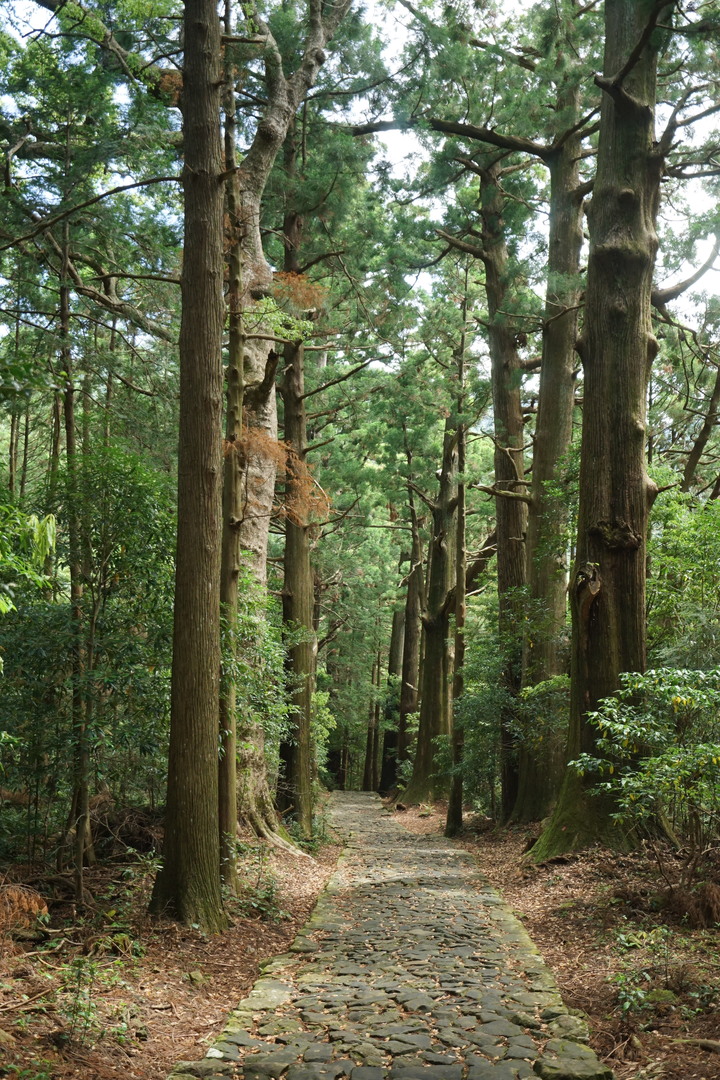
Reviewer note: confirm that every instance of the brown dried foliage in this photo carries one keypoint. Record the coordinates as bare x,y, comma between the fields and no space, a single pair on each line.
235,230
295,292
305,502
170,83
19,907
699,907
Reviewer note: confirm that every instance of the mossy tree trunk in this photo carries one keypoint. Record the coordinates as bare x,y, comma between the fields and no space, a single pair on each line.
410,673
298,592
232,490
454,820
259,453
370,768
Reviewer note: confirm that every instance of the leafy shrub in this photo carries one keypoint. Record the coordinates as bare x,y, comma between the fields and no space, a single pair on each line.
543,710
659,757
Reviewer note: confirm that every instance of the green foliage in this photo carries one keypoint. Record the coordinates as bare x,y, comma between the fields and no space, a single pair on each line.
39,1069
319,836
659,755
322,723
542,710
126,513
77,1006
256,661
26,540
258,895
632,991
265,317
683,589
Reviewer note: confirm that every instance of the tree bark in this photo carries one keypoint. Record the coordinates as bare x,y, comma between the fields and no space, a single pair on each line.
369,781
708,426
436,672
388,768
617,348
298,591
409,693
454,819
545,652
284,96
259,449
79,822
511,510
187,887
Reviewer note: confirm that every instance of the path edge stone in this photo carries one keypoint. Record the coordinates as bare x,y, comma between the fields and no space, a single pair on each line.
242,1014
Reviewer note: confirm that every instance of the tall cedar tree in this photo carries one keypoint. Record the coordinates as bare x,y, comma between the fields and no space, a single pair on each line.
617,348
188,884
251,431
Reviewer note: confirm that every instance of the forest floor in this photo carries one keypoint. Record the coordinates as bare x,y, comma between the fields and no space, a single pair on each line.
117,996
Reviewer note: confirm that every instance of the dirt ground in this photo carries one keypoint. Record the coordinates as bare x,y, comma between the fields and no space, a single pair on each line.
116,996
127,1000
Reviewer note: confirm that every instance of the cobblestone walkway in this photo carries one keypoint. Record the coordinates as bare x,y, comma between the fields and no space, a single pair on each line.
410,968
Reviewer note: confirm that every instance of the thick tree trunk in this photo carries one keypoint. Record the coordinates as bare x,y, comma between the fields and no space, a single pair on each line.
541,762
410,677
369,780
256,452
617,349
188,884
511,509
298,591
299,580
230,562
79,823
388,768
251,456
436,671
454,819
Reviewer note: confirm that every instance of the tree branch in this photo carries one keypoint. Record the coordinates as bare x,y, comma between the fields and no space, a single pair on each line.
462,245
661,297
149,74
505,54
48,222
503,493
374,126
515,143
110,301
334,382
421,494
639,48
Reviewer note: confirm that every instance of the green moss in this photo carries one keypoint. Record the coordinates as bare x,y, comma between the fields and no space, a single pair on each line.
578,821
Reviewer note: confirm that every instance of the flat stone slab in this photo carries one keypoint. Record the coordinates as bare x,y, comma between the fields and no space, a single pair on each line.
411,967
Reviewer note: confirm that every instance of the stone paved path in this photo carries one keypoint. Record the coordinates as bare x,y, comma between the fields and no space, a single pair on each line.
411,968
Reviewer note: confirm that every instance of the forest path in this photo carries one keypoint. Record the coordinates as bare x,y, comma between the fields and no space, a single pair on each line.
411,968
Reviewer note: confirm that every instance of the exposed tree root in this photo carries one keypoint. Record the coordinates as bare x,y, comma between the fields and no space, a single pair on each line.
711,1045
266,832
